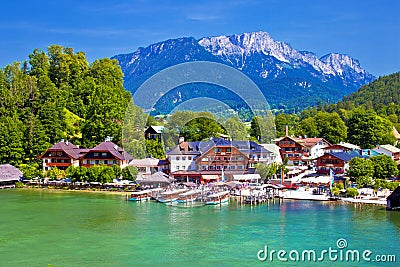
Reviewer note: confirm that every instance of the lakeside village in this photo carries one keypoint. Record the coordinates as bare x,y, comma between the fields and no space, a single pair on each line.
219,170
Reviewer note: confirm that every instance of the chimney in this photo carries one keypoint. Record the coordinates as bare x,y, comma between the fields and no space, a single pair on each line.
67,143
62,140
181,139
287,130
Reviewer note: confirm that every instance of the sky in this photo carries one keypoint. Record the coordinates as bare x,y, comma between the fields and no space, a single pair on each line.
367,30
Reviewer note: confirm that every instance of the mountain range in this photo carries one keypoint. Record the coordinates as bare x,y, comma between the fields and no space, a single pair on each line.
290,80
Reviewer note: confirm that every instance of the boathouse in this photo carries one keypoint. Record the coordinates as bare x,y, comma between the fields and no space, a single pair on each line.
393,200
9,175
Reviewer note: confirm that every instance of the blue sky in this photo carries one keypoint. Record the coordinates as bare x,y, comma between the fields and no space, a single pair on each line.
367,30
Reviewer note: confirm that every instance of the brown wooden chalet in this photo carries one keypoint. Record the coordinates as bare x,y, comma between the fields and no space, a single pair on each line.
62,155
106,153
291,149
223,155
300,151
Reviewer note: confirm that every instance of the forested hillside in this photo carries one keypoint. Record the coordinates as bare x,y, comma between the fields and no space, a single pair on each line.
365,118
57,94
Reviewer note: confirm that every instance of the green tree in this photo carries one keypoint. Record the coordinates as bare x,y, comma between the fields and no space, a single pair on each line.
201,128
308,127
132,135
155,149
266,171
31,171
53,174
362,170
235,128
107,174
282,120
331,127
263,128
368,130
130,173
11,140
384,167
117,171
94,173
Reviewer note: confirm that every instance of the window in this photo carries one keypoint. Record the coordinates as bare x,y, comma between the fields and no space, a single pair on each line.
233,167
178,158
104,154
189,158
59,153
114,162
87,161
228,150
204,159
183,158
96,162
218,167
105,161
96,154
217,150
240,167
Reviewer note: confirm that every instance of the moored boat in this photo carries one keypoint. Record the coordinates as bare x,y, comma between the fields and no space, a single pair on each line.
170,196
140,195
189,196
218,198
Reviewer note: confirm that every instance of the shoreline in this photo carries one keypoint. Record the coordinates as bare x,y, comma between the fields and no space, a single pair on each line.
54,190
290,195
301,195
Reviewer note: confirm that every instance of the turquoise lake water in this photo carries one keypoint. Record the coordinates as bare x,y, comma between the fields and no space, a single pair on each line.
38,228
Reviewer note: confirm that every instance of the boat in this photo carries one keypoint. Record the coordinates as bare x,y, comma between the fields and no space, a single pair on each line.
143,195
170,196
189,196
218,198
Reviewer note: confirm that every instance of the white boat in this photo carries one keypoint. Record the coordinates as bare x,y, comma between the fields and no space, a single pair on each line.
140,195
170,196
218,198
189,196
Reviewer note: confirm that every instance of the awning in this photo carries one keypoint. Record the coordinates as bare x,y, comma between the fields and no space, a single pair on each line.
210,177
246,177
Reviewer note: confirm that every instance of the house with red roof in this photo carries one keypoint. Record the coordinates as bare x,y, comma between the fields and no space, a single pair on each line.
105,153
300,151
62,155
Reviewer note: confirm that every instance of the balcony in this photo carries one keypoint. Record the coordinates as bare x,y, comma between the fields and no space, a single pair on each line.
58,164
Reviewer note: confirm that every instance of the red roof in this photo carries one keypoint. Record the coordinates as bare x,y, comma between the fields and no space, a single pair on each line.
68,148
112,148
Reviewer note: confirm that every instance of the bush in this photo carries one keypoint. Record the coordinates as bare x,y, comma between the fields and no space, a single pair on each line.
351,192
335,191
19,185
392,185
